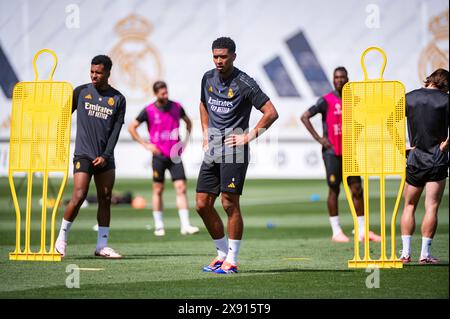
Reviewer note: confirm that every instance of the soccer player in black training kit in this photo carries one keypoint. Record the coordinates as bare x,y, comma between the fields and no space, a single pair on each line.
427,163
227,97
100,116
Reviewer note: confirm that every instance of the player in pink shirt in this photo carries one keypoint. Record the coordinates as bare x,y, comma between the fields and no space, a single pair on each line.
329,106
163,122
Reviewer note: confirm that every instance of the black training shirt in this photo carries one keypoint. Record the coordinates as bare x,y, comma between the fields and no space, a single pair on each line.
100,116
229,103
428,124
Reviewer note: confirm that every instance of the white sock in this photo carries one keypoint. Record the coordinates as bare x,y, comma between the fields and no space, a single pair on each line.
361,225
233,251
102,237
426,245
406,250
184,217
222,247
64,231
334,221
158,217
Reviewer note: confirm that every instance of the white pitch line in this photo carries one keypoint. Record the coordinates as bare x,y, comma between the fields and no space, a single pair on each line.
89,269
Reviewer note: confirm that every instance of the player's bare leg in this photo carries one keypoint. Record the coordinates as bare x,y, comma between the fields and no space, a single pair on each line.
357,198
433,196
209,215
332,201
332,204
157,202
214,225
408,221
235,229
358,201
81,182
183,208
104,183
235,225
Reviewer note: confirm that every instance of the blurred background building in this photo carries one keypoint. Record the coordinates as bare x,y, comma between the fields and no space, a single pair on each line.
290,47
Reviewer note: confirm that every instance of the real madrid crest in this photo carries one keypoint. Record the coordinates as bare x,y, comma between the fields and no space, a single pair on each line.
435,54
138,62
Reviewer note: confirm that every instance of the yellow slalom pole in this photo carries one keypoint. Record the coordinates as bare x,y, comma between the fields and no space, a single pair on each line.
382,199
28,212
52,251
394,217
37,146
383,216
17,210
366,218
357,256
44,213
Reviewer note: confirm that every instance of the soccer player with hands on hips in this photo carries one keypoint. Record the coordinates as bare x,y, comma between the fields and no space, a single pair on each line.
227,97
427,163
330,107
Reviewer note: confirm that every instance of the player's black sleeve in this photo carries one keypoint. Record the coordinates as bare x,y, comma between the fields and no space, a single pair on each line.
253,92
320,107
76,94
114,137
182,112
202,93
142,117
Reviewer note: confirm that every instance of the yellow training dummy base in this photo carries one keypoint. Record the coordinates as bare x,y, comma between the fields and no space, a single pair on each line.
374,142
39,143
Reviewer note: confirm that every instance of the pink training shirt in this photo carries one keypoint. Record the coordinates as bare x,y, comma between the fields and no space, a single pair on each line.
334,122
164,127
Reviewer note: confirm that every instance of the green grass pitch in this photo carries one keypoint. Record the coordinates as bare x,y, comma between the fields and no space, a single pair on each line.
286,251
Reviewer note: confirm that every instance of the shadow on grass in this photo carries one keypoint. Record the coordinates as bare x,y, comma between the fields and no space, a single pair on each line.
426,265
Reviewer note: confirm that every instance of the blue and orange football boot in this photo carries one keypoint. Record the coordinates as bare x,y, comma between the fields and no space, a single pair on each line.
226,268
216,263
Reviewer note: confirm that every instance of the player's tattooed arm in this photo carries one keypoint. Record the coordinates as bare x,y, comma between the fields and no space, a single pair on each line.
270,115
188,122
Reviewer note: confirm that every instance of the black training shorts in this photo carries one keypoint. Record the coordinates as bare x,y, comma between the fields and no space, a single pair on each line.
160,163
221,177
84,164
418,177
333,168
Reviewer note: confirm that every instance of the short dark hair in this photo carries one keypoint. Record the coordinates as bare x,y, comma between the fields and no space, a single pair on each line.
102,59
439,79
340,68
224,43
158,85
